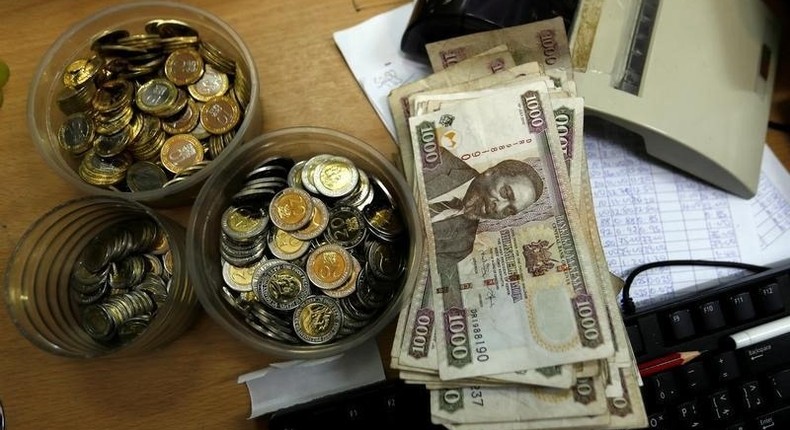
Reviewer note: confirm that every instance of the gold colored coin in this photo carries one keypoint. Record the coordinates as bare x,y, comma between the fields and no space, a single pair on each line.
349,286
291,209
219,115
285,246
185,121
181,151
317,224
329,266
79,72
318,319
184,66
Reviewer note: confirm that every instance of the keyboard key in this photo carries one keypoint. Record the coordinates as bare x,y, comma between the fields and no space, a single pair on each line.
725,366
766,356
664,388
680,324
769,299
751,395
687,415
636,339
721,408
711,316
695,377
742,307
774,420
780,385
657,421
736,426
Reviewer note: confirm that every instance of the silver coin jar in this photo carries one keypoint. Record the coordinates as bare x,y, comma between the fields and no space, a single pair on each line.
99,276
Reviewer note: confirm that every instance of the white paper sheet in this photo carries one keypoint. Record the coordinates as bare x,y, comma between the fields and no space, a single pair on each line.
372,51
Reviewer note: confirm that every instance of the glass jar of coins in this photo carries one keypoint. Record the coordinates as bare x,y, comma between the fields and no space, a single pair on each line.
100,275
143,100
304,243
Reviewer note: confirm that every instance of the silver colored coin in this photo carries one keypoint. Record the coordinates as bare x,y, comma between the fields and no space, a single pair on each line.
384,261
76,134
346,227
294,177
262,313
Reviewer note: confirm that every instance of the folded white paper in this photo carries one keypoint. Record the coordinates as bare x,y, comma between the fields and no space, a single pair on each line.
290,383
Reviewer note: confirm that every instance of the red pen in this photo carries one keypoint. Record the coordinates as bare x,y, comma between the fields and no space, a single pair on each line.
666,362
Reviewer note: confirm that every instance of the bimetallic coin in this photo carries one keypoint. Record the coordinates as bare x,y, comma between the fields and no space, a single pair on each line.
242,223
184,66
317,320
384,221
212,84
133,327
181,151
238,278
111,145
317,224
285,246
98,323
156,96
295,175
145,176
349,286
281,285
220,114
329,266
76,133
291,209
346,227
183,122
335,177
307,171
167,261
384,262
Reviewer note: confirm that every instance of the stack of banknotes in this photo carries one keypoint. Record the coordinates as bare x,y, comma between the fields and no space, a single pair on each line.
515,323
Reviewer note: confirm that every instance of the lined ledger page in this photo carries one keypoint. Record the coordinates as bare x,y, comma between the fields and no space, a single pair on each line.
648,211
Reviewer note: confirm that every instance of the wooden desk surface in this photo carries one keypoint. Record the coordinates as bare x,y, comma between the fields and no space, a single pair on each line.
192,382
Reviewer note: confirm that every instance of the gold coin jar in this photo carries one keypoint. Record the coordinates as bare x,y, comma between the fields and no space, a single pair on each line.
115,87
100,275
277,308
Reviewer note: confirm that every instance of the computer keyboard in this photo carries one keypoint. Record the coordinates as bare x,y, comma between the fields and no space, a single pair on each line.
390,404
725,387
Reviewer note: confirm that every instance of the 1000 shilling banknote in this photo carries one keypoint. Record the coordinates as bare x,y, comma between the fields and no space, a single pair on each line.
514,285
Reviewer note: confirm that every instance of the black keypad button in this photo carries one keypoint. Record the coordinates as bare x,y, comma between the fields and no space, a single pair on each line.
725,366
657,421
736,426
742,307
775,420
720,404
688,416
780,385
695,377
711,316
751,395
769,299
681,325
664,388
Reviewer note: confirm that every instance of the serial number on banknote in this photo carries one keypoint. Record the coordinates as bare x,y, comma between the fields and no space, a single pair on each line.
480,348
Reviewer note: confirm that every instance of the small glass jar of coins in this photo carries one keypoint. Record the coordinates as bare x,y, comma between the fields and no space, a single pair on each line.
142,99
314,249
100,275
